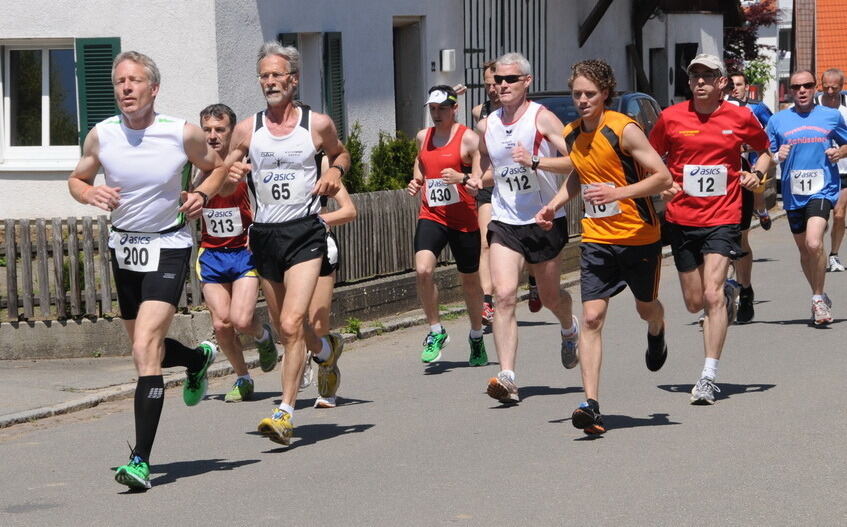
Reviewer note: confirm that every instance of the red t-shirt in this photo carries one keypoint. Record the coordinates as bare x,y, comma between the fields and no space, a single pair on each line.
226,219
702,154
449,205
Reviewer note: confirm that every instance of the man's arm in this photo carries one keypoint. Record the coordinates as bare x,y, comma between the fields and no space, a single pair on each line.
551,128
417,180
568,190
206,159
481,174
338,156
81,180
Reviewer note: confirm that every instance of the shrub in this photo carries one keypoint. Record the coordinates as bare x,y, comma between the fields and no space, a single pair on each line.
354,179
392,161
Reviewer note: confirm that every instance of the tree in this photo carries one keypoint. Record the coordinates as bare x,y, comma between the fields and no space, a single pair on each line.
740,43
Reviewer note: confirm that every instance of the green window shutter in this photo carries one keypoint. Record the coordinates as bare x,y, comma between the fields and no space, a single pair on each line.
334,82
94,58
288,39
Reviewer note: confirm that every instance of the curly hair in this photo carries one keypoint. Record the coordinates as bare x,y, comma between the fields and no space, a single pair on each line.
598,72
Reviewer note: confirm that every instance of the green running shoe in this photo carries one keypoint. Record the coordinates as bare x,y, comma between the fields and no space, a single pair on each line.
135,474
197,382
478,355
268,354
433,344
241,391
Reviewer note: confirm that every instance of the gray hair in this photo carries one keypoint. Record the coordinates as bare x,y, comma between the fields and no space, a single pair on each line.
834,72
516,58
139,58
289,53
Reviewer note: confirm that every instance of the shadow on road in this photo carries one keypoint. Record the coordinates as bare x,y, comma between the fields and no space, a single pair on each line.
726,390
443,366
255,396
310,434
799,322
530,323
531,391
185,469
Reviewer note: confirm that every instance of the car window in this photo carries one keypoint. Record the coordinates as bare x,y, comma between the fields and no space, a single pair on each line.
561,106
632,108
648,115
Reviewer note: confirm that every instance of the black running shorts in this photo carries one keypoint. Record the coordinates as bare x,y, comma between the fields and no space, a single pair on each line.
689,244
606,269
164,284
534,243
815,208
465,246
277,247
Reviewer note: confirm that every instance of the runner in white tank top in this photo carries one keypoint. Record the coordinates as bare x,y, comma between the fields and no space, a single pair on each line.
521,191
143,154
287,238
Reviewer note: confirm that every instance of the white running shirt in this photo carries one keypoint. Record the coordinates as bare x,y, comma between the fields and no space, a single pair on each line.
284,172
147,166
519,192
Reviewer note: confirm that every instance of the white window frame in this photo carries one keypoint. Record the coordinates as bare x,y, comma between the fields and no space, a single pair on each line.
33,158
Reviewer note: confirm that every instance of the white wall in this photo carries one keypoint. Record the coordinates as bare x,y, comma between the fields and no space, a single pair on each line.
179,36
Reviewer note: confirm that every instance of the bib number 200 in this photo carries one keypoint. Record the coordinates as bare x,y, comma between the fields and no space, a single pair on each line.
135,256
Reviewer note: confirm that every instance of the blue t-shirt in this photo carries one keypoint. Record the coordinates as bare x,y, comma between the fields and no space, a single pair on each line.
762,113
807,173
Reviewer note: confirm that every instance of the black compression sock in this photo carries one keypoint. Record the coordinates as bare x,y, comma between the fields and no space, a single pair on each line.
531,280
149,399
178,354
487,298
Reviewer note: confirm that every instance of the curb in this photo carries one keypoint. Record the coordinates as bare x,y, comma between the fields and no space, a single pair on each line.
223,368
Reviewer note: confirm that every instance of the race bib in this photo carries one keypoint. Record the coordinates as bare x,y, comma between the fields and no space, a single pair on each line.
512,180
440,194
283,186
137,251
704,180
223,223
807,182
600,211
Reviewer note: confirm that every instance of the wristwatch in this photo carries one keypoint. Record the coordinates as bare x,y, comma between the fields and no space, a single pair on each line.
535,161
760,175
465,179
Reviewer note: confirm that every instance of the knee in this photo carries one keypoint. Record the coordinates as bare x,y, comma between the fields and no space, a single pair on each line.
715,298
813,246
424,273
693,305
839,214
505,297
592,320
291,326
648,311
222,325
242,323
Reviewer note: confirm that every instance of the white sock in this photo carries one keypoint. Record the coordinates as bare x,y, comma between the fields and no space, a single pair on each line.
265,335
325,350
245,377
476,333
815,298
710,369
436,328
288,409
572,331
509,374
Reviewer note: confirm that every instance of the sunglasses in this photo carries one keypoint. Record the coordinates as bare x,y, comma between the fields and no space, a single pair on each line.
806,85
510,79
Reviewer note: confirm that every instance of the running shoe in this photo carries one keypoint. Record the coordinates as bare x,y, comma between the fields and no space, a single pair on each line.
503,389
487,313
277,427
704,391
329,376
731,290
197,382
478,356
701,319
433,344
657,351
534,299
835,265
268,354
241,391
135,474
570,347
588,419
745,306
325,402
764,219
821,312
308,374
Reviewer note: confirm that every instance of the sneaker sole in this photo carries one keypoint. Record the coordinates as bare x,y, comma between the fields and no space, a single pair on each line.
660,360
125,478
271,434
570,360
325,403
699,401
586,423
497,391
437,357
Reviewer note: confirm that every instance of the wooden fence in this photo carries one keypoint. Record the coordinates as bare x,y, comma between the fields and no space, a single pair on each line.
60,268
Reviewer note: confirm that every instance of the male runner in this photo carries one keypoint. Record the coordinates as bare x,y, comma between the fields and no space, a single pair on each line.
750,202
519,193
621,246
702,139
143,154
832,82
287,238
801,138
225,265
447,215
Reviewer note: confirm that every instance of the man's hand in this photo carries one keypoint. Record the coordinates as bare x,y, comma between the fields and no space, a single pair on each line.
521,155
749,180
192,204
102,197
544,217
451,177
782,153
600,194
414,186
329,183
671,193
834,154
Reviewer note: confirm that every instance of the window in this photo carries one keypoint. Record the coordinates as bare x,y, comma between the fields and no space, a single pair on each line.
45,102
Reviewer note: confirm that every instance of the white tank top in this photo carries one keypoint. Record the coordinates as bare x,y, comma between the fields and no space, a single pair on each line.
519,192
284,171
147,166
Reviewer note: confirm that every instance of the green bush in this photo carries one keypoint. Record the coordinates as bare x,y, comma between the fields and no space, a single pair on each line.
355,178
392,161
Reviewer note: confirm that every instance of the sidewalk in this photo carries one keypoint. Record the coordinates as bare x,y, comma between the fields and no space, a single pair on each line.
35,389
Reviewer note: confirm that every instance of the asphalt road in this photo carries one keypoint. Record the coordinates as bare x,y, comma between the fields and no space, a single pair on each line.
412,445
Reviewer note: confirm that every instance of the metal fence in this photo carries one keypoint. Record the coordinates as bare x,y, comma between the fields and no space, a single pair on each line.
60,268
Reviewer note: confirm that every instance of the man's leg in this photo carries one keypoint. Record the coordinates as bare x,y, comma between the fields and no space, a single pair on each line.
743,274
484,217
427,291
591,344
506,267
218,299
838,224
715,267
242,312
472,291
548,276
812,257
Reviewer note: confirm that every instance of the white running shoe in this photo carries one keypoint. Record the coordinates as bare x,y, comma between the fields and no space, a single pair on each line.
821,313
704,391
835,265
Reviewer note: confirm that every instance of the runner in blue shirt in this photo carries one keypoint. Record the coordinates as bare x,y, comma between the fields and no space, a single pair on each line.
801,137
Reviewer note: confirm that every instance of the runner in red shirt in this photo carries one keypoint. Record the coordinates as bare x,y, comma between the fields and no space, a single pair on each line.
701,139
448,215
